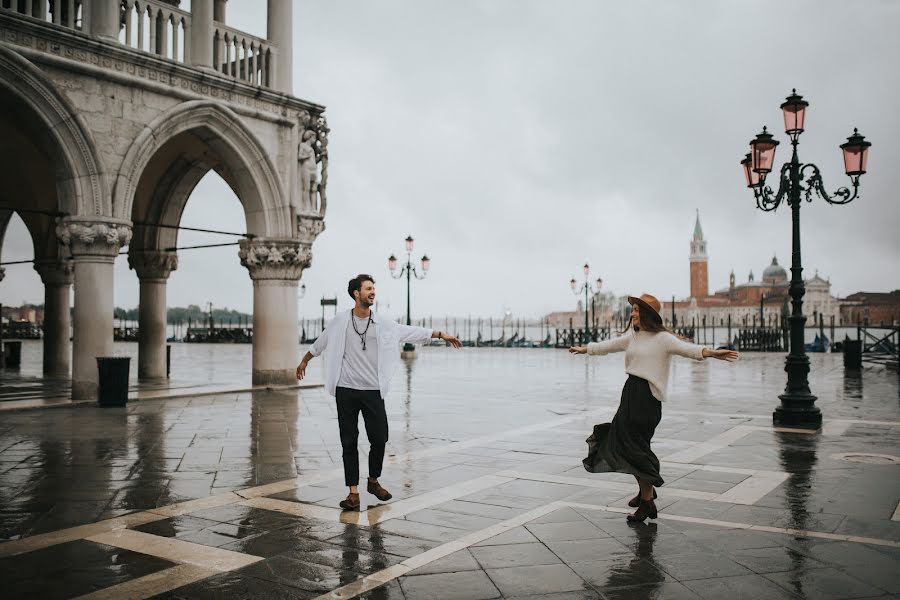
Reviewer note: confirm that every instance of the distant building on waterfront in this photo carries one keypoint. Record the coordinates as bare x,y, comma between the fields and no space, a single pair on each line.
874,307
28,313
748,303
603,311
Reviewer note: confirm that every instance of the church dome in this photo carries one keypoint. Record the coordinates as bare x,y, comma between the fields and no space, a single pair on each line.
774,273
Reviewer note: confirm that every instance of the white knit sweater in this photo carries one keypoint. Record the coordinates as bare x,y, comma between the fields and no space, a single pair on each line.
647,355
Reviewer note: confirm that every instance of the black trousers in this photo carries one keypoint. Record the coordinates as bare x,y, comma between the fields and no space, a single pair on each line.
349,404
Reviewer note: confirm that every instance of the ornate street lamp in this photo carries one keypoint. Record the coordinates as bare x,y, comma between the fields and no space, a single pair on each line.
410,270
798,181
587,289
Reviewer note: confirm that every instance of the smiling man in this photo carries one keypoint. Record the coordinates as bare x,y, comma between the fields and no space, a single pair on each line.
362,356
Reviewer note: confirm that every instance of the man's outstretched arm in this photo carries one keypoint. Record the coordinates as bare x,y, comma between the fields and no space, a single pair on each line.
447,338
301,368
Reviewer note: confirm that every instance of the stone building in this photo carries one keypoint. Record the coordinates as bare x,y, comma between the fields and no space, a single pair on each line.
874,307
747,303
111,111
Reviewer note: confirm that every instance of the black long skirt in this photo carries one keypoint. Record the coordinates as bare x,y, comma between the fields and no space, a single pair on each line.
623,446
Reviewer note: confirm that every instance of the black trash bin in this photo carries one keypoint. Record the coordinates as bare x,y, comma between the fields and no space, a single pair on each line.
852,354
12,354
113,380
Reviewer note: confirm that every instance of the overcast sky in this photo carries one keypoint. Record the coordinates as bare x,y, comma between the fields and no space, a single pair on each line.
517,139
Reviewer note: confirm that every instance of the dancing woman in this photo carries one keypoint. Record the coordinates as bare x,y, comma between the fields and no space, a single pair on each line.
623,446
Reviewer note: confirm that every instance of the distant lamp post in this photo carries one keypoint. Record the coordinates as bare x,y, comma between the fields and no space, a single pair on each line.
301,293
587,289
410,270
798,181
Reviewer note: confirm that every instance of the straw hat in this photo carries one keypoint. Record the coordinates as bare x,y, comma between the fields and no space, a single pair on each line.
648,302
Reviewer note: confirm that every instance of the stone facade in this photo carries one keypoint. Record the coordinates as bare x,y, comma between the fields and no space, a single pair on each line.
107,126
874,307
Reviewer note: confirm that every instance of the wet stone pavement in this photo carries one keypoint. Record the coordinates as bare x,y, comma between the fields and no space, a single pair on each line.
235,495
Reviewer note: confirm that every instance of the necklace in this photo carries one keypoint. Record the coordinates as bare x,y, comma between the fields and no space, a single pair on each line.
362,336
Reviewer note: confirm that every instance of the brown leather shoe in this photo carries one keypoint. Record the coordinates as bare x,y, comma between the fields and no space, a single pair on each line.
351,502
375,488
647,508
636,501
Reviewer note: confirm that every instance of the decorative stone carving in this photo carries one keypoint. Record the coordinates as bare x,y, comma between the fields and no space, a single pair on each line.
274,259
92,236
312,159
309,227
55,271
152,264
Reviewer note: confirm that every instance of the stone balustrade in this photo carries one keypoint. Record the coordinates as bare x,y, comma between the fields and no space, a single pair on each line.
243,56
159,28
156,27
70,15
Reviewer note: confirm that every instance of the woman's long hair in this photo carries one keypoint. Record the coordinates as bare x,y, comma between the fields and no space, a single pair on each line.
650,322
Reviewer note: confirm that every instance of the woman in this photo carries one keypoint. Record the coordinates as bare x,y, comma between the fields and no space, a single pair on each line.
623,446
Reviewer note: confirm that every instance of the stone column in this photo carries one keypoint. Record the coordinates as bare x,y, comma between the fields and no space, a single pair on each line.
153,268
57,276
275,267
202,33
94,244
104,18
219,11
279,31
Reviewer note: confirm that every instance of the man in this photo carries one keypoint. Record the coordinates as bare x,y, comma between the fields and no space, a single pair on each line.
362,355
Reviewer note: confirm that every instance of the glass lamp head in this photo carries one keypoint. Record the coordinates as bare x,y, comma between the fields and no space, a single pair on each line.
762,152
856,154
751,176
794,109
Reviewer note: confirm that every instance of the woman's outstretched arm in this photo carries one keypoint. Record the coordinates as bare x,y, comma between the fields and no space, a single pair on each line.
619,344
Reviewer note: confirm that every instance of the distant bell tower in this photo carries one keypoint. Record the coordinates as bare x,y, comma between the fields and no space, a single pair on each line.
699,260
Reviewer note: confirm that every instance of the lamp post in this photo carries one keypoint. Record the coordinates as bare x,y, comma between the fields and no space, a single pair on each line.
587,288
409,351
796,182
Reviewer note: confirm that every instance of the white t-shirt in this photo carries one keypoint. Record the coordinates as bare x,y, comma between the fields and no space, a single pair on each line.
359,367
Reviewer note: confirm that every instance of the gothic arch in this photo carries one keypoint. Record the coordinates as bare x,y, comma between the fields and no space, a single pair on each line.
81,185
237,156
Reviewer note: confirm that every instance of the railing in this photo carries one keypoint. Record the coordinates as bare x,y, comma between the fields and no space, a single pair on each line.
242,56
70,13
761,340
157,28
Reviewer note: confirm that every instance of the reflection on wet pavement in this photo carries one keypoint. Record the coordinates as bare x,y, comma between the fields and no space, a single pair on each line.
490,497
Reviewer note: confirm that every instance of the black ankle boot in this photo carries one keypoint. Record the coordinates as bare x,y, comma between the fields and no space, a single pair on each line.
647,508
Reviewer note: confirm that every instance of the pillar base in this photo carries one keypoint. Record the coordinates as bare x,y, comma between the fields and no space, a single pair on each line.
802,415
274,377
84,390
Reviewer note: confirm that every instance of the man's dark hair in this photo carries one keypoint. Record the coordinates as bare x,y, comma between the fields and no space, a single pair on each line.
355,284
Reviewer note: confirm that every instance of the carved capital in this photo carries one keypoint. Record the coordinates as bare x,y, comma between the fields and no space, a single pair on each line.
152,264
93,237
54,271
274,259
309,227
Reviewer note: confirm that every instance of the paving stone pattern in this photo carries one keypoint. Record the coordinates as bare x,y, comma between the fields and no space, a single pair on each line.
480,440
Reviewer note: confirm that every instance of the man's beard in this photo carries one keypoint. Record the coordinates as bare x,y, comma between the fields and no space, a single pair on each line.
366,303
